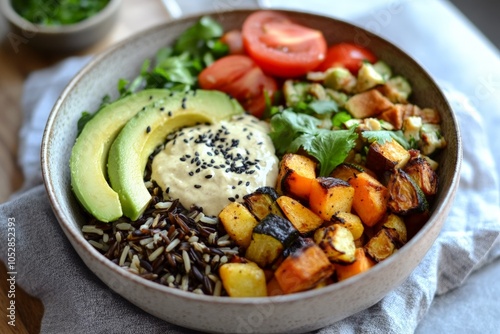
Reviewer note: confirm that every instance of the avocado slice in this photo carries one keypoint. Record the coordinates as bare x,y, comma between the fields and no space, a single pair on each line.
90,153
147,130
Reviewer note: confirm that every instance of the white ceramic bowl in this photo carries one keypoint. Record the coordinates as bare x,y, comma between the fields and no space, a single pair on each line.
64,38
291,313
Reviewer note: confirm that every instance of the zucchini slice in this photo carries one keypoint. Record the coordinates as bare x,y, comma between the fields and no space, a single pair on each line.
269,239
405,196
262,202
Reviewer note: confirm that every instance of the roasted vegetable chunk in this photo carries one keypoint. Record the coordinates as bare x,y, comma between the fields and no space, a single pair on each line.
370,198
347,170
367,104
238,222
269,239
351,222
303,269
387,156
337,243
243,280
396,223
405,195
262,202
361,264
296,175
301,217
382,245
423,174
330,196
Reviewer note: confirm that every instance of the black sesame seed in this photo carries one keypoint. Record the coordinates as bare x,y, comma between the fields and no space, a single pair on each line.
168,190
197,186
209,176
240,182
191,173
232,199
248,183
197,170
182,159
148,129
169,113
162,109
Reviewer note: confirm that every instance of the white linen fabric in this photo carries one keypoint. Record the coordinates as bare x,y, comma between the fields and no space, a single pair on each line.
445,292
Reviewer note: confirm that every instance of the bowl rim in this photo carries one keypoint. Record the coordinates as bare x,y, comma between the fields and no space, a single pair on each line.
439,210
27,26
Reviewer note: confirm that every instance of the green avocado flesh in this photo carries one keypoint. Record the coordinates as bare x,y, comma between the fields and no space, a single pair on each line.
147,130
90,153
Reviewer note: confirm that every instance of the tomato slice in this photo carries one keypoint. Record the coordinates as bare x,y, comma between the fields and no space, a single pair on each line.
234,41
348,55
281,47
240,77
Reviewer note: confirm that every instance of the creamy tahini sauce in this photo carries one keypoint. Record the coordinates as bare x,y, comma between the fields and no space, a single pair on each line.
211,165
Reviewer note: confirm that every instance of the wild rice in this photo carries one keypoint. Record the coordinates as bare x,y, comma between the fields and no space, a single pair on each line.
171,245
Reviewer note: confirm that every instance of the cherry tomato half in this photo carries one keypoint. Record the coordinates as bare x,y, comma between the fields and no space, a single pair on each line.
280,47
240,77
234,41
349,55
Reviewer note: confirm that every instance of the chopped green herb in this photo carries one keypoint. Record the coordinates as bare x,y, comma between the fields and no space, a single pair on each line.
291,131
382,136
86,116
340,118
57,12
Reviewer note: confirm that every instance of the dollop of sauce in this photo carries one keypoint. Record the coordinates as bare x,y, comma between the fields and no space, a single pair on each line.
212,165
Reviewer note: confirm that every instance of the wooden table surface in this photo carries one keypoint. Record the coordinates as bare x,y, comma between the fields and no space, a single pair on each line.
14,69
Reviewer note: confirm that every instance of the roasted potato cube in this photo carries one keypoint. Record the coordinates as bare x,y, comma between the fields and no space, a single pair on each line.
269,238
422,173
238,222
329,196
350,221
382,245
337,243
387,156
301,217
396,223
296,175
367,104
370,198
243,280
303,269
361,264
406,197
262,202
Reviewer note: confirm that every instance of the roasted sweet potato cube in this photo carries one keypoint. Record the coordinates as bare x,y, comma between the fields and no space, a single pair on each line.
337,243
303,269
393,115
370,198
350,221
262,202
367,104
273,288
238,222
422,173
296,175
329,196
361,264
243,280
300,216
382,245
387,156
406,197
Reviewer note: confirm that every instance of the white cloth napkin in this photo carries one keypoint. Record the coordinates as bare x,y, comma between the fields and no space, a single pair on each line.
74,298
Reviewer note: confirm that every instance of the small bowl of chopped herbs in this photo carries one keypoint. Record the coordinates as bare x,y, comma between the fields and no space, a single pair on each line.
59,25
